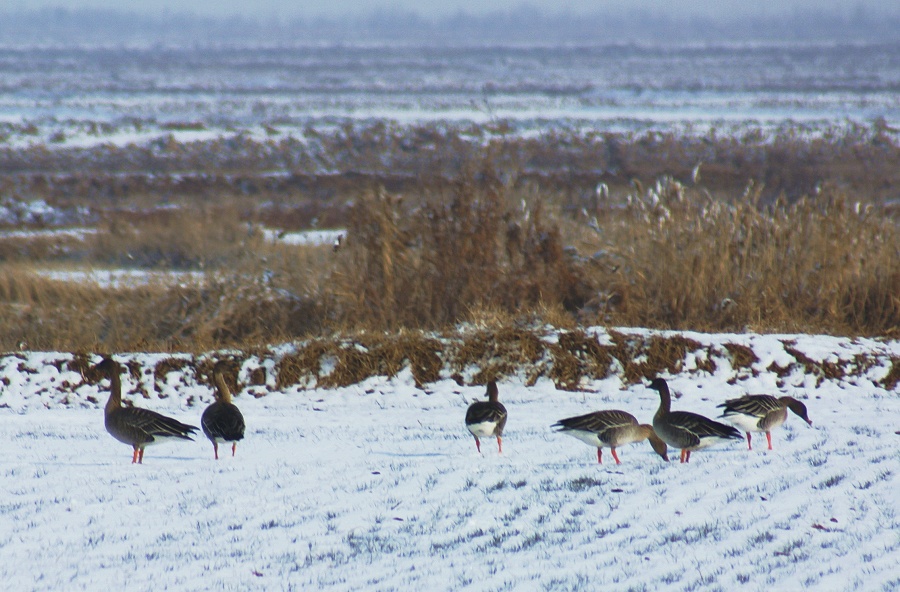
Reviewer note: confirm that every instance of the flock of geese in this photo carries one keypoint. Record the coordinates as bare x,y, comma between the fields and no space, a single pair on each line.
222,421
680,429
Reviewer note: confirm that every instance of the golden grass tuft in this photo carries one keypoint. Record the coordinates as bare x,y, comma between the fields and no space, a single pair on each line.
644,360
424,355
84,365
353,364
162,369
577,355
362,356
257,377
741,356
890,381
496,353
822,370
203,371
427,263
303,364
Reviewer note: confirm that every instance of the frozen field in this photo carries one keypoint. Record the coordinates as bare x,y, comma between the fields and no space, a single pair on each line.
378,486
78,97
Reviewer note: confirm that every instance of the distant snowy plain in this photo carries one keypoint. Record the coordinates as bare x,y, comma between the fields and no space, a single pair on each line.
110,96
378,486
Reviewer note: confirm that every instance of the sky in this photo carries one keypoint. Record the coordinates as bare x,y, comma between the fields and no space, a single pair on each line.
439,8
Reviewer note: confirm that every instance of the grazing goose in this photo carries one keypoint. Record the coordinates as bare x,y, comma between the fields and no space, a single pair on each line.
685,430
611,428
222,421
762,413
133,425
487,418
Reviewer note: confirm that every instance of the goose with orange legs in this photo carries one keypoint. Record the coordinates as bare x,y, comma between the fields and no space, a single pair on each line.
487,418
685,430
611,428
762,413
222,420
135,426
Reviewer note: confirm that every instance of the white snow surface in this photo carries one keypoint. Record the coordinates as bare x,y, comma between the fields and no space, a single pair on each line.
304,238
378,486
123,278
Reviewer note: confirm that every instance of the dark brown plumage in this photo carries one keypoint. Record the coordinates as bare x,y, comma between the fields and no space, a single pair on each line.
685,430
222,420
133,425
487,418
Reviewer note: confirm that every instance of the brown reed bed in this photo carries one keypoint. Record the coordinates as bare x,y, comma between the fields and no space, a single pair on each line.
483,242
331,166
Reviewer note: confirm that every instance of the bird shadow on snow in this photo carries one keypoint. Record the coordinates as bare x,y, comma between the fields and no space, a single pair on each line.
411,454
156,457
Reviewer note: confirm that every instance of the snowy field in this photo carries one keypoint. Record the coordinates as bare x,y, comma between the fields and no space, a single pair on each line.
378,486
304,238
107,96
122,278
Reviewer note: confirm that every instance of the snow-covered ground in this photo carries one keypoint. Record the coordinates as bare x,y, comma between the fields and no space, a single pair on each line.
123,278
78,234
304,238
378,486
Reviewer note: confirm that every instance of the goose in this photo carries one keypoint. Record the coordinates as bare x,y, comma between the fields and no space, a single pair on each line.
222,420
762,413
133,425
611,428
487,418
685,430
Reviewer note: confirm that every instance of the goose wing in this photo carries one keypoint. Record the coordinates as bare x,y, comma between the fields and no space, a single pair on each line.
697,427
485,411
597,422
752,406
154,424
224,421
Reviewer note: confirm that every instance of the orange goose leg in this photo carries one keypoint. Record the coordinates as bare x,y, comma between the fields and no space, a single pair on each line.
615,456
685,455
140,456
600,456
233,448
477,444
134,457
749,446
499,445
216,449
769,438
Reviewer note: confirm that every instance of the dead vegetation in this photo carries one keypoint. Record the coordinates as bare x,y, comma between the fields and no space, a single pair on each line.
325,165
518,230
570,359
350,361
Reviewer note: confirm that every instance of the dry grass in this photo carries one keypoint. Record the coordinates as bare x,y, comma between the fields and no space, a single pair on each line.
680,259
471,356
352,360
490,235
569,358
741,356
426,263
859,159
578,355
890,381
